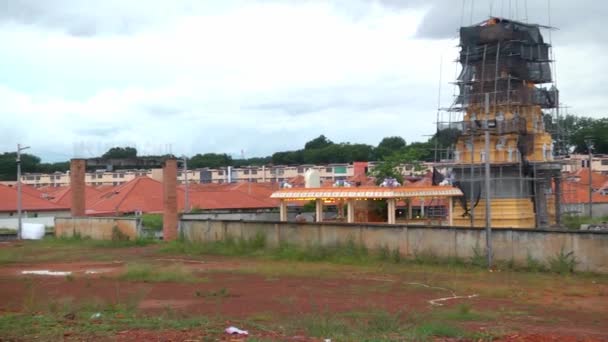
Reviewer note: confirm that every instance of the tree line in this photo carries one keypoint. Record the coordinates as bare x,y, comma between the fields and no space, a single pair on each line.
575,131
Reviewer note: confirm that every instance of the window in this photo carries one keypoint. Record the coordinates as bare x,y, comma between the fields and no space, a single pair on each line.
254,172
604,161
220,173
340,169
281,171
245,172
122,175
273,171
281,179
329,170
115,183
114,175
180,174
37,177
300,170
29,177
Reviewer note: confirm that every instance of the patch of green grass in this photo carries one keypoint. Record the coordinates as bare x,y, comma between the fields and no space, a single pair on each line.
575,221
437,329
77,241
52,327
154,274
152,221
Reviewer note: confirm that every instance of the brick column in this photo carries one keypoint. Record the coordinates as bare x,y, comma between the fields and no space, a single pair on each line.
77,173
170,200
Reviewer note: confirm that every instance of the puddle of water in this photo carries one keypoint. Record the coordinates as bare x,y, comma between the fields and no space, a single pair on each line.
47,273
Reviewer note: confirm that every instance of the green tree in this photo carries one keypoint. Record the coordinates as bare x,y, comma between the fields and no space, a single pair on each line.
319,142
388,146
211,160
120,153
8,165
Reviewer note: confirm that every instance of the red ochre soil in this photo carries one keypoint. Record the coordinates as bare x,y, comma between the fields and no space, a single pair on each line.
248,294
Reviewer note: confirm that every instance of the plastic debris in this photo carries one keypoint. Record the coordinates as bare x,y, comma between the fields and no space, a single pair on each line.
47,272
96,315
236,331
32,231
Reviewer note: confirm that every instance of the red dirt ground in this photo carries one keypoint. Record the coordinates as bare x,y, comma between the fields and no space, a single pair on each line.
244,295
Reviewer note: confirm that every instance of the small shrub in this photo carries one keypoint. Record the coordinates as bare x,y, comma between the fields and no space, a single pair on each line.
479,257
534,265
152,221
117,235
563,262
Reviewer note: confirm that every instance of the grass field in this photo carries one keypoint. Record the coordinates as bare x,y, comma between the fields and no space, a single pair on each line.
145,290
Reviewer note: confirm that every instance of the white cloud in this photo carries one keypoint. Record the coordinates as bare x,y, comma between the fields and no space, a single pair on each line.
260,76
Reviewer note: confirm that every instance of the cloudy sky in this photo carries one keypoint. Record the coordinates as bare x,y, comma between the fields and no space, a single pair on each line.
192,76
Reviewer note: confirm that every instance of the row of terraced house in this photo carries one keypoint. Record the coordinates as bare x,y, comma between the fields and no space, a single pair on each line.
253,174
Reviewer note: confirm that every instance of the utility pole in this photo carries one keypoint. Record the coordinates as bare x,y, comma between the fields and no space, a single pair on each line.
187,193
19,223
589,143
487,183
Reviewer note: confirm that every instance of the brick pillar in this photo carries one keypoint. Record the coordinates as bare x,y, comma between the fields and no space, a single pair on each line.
77,173
170,200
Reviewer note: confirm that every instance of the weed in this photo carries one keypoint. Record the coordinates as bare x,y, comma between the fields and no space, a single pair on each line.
479,257
534,265
221,293
563,262
118,235
436,329
384,253
69,277
396,255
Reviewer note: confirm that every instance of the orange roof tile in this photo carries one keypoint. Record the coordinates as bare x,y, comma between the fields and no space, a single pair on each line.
64,196
8,201
140,194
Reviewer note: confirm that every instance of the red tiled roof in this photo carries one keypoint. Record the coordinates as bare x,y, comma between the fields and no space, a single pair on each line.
597,179
8,201
576,193
140,194
64,196
146,194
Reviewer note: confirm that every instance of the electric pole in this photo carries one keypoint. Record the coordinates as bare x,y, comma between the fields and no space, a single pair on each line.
19,223
589,143
487,182
187,193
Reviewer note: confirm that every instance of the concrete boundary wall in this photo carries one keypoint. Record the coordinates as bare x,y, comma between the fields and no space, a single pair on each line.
97,228
589,248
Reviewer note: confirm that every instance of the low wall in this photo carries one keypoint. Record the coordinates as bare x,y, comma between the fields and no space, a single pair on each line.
13,223
589,248
98,228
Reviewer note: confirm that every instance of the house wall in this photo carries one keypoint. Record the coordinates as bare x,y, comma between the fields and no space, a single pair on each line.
13,222
97,228
29,213
599,209
589,248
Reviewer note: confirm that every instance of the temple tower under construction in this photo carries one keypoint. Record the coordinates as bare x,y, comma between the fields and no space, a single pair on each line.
504,65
